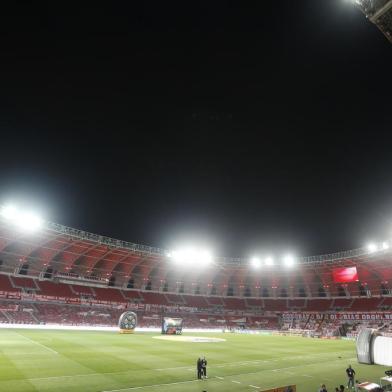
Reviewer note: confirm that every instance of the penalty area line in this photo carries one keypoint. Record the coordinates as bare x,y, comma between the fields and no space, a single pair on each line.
37,343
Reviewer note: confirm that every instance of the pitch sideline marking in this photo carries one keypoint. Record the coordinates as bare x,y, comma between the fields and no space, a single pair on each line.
39,344
254,386
237,382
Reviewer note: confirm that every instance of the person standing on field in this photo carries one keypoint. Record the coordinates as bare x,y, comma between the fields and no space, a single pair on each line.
199,368
350,374
204,367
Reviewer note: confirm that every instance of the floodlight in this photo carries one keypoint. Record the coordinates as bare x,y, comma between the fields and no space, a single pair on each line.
372,247
28,221
191,256
9,212
24,220
385,245
288,260
269,261
205,257
256,263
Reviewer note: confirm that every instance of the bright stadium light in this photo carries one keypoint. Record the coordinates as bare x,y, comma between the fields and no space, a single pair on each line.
9,212
204,257
29,221
269,261
24,220
191,256
256,263
372,247
288,260
385,245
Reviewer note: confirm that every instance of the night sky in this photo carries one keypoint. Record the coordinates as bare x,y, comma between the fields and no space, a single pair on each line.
247,127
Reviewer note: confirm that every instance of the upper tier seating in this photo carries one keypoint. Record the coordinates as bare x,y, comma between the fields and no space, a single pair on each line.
297,303
275,304
108,294
84,290
386,302
215,300
56,289
255,302
132,294
342,303
234,303
174,299
196,301
5,284
318,305
22,282
365,304
154,298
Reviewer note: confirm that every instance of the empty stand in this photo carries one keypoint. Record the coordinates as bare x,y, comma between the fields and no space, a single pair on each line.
174,299
56,289
342,303
108,294
234,303
318,305
5,284
386,302
82,290
196,301
215,301
154,298
25,283
275,304
365,304
297,303
254,302
131,294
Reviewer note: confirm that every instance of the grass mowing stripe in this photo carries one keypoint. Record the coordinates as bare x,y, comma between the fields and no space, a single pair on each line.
37,343
181,368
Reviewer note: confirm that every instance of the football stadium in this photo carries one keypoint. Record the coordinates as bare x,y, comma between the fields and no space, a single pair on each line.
248,144
84,312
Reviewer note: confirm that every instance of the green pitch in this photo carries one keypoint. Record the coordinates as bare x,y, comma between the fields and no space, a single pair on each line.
65,361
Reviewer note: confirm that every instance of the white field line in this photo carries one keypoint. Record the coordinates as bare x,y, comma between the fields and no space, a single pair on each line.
254,386
37,343
219,378
306,375
236,382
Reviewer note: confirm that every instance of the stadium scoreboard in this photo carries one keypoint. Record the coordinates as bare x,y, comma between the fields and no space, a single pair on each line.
171,326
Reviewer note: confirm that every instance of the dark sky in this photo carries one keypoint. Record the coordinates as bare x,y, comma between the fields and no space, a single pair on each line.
247,126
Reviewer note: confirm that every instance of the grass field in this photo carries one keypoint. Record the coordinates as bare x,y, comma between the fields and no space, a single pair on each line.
36,360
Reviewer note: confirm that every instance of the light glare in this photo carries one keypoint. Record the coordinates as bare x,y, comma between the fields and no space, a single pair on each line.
9,212
385,245
269,261
189,256
28,221
372,247
24,220
256,263
288,260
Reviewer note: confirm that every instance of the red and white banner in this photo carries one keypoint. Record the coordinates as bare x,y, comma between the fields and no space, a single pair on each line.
338,316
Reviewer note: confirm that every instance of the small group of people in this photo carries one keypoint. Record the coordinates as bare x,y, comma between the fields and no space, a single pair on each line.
201,368
350,382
